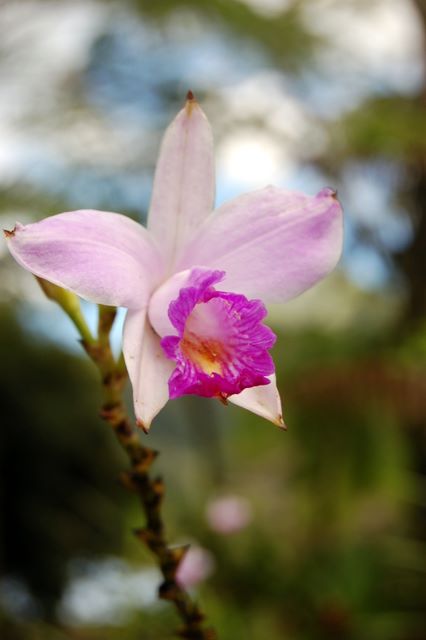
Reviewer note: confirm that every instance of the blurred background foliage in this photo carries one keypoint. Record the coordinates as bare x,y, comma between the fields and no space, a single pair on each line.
301,93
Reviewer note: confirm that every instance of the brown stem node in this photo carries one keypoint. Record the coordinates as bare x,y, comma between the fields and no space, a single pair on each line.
168,590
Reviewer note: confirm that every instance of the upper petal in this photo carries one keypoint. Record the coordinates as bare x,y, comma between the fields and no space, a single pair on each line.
148,367
183,191
104,257
273,244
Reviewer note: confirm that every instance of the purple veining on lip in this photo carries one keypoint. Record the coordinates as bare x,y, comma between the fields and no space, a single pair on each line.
222,346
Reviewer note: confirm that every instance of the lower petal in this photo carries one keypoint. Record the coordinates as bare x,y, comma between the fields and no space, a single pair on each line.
264,401
148,367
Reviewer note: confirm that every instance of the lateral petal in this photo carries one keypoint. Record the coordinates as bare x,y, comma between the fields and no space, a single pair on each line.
273,244
149,369
264,401
103,257
183,191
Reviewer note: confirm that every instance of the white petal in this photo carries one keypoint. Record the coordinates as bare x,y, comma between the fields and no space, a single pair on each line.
161,299
264,401
149,369
183,192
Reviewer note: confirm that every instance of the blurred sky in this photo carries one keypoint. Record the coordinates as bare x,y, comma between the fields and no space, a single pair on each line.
82,108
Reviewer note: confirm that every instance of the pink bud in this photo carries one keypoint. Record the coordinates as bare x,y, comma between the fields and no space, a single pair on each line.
196,565
228,514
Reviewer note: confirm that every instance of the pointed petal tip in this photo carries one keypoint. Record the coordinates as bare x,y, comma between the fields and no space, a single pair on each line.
280,423
143,425
191,102
10,233
327,192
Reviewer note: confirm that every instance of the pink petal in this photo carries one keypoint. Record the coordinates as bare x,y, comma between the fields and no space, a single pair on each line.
264,401
104,257
183,191
148,367
273,244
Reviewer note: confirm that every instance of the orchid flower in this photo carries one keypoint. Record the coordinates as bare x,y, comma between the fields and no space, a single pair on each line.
194,282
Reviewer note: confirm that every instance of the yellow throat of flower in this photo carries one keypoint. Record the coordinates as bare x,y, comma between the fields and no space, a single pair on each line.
208,354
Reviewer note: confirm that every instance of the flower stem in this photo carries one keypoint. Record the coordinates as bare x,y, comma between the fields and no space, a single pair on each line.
70,303
149,489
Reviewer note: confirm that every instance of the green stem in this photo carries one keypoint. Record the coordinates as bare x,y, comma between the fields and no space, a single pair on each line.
82,327
70,303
